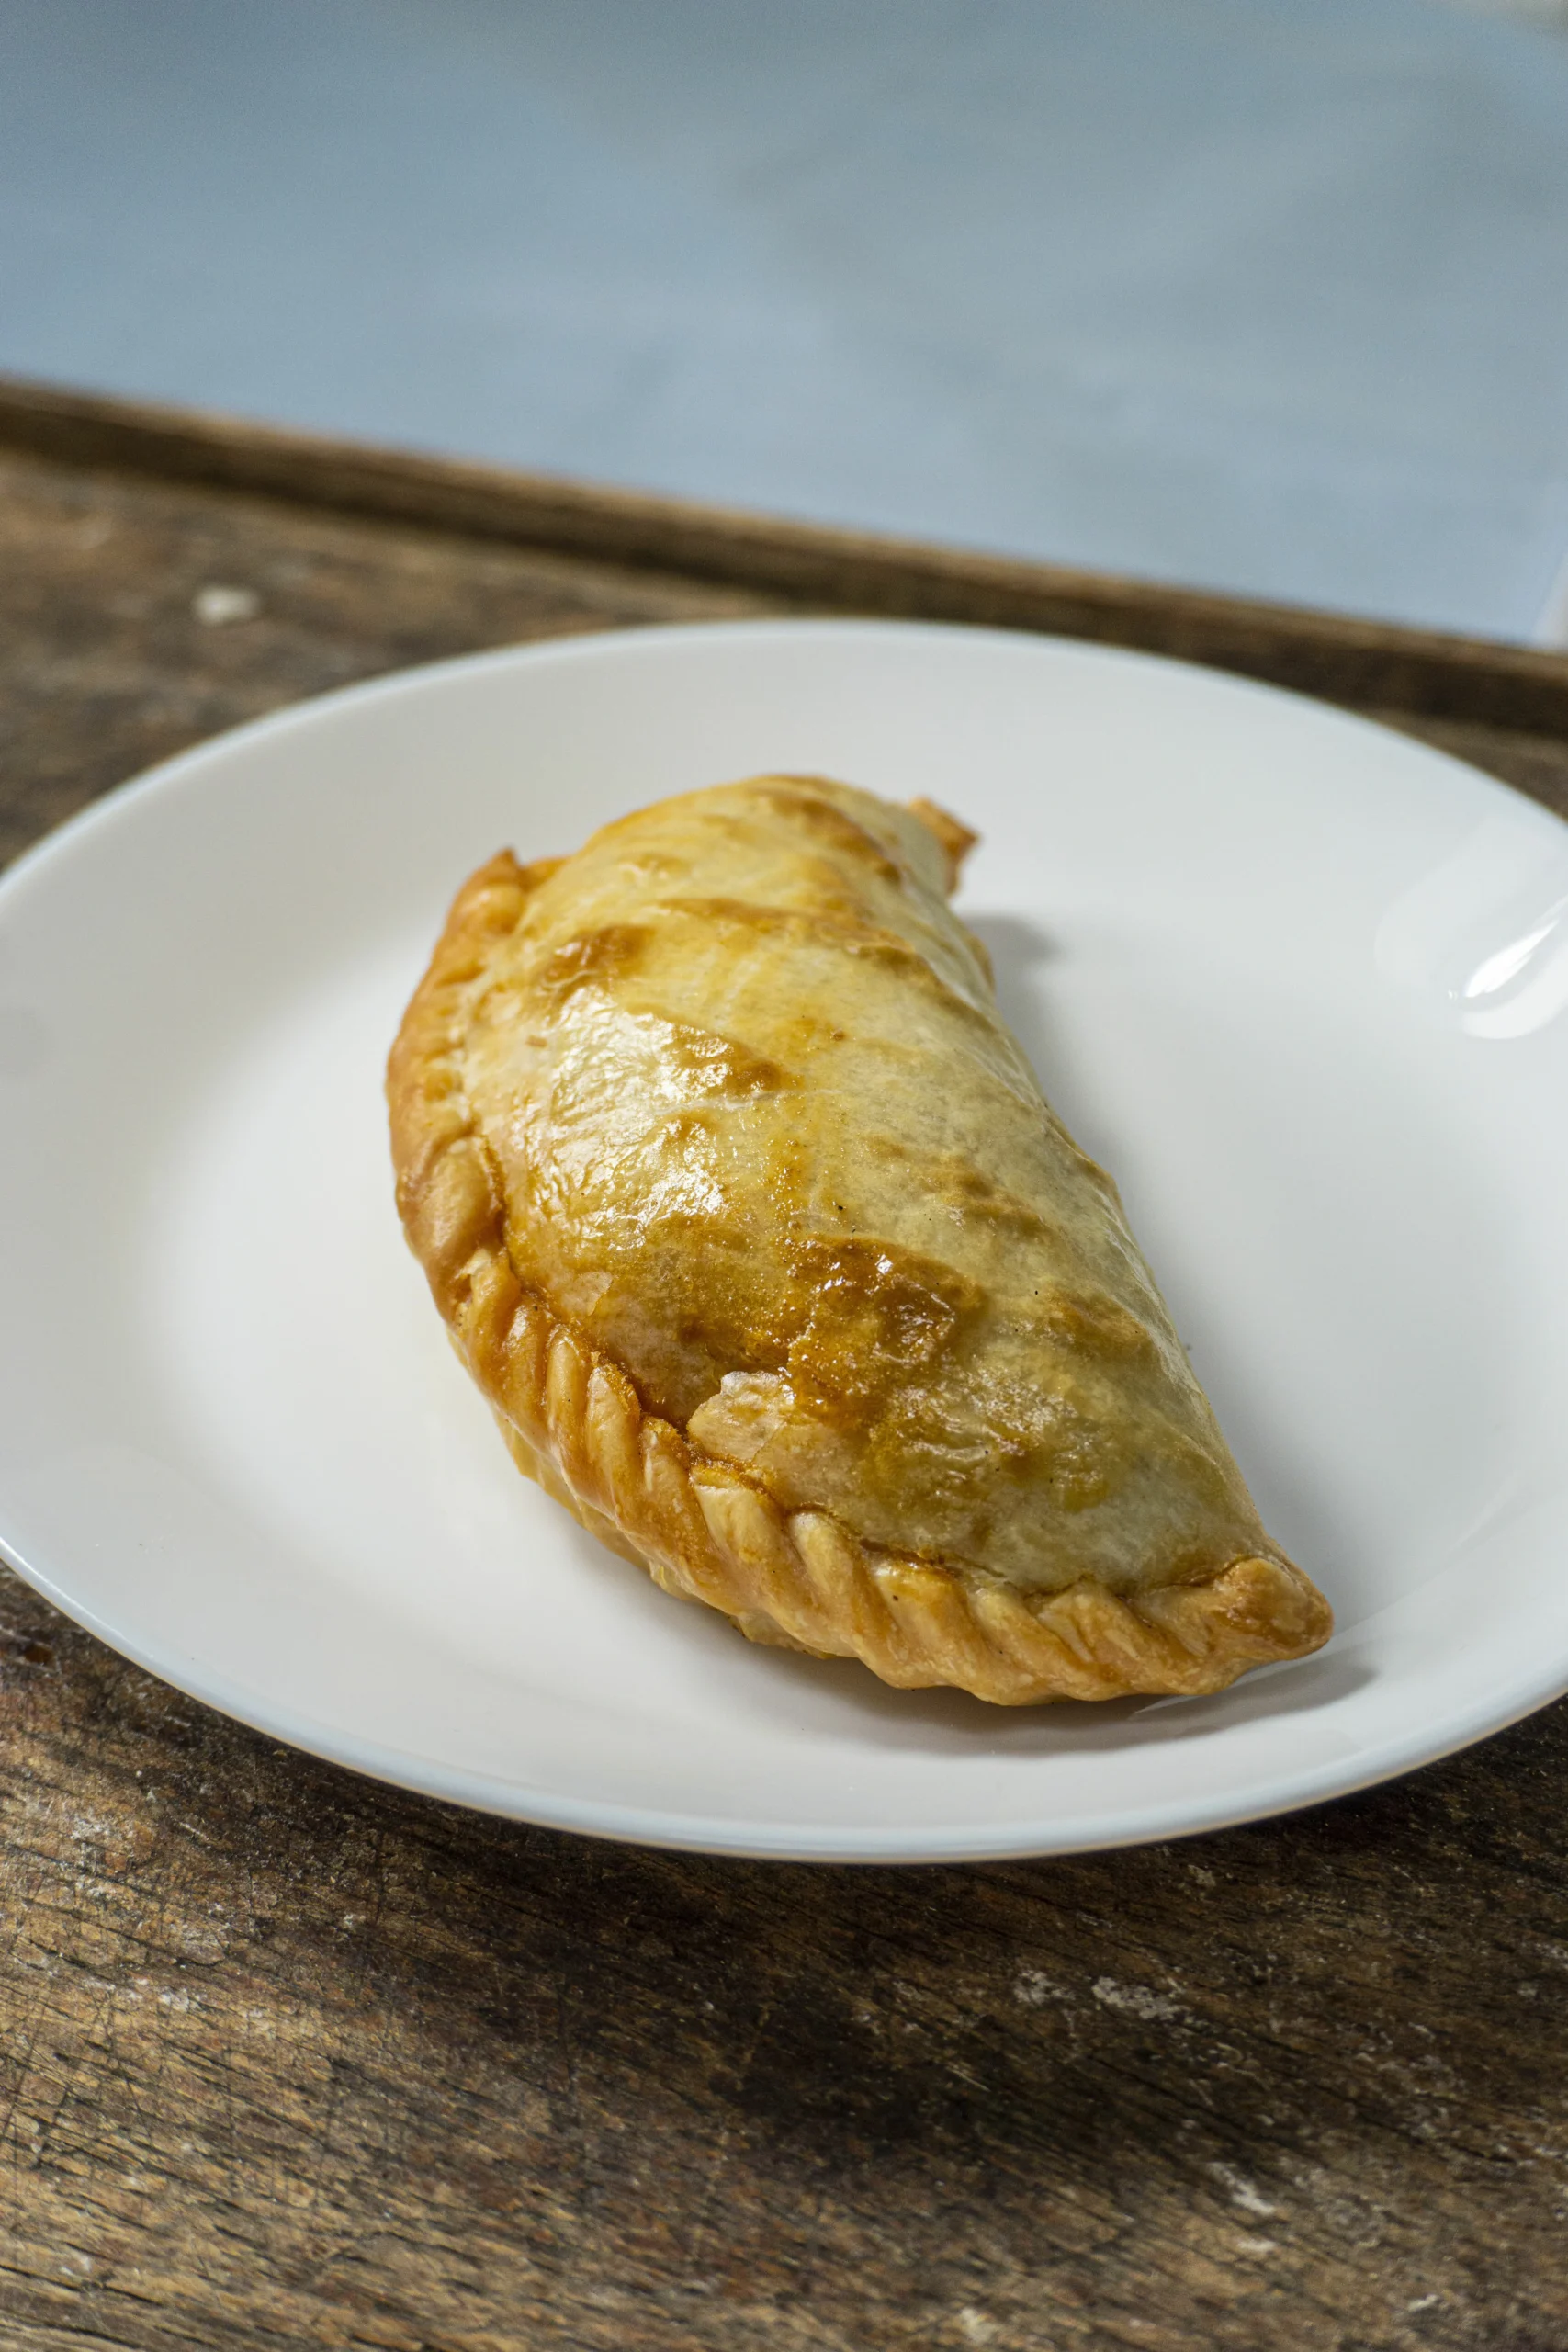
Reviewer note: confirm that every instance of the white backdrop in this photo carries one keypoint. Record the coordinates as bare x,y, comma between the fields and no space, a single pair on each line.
1267,294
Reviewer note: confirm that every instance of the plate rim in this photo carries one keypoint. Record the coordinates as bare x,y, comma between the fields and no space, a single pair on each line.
107,807
408,1770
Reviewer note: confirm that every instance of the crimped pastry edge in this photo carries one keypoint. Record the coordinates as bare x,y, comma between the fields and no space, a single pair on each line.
702,1528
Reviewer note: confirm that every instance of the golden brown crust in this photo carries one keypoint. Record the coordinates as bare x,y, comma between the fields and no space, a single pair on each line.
702,1528
956,840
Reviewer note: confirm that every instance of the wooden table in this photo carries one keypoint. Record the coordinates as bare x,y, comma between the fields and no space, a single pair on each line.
287,2058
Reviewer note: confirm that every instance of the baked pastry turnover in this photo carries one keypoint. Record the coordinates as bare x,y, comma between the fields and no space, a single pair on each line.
748,1216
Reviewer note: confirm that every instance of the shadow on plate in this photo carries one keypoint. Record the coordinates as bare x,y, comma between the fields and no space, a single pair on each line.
844,1700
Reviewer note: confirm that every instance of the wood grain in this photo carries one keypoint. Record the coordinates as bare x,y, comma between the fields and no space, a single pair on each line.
292,2059
288,2058
1363,663
105,665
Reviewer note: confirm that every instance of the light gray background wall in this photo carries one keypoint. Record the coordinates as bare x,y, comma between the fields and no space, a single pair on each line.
1267,294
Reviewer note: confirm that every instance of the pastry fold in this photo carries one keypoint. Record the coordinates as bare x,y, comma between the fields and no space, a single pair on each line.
747,1214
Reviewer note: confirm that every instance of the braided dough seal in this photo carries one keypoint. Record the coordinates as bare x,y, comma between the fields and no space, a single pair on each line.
745,1211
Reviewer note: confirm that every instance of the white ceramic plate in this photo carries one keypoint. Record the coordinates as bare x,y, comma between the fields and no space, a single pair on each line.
1301,983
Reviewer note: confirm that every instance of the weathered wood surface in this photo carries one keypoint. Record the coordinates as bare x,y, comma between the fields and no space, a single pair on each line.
107,666
1498,701
288,2058
296,2059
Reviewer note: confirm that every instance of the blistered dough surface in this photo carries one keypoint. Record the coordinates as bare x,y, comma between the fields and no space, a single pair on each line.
763,1138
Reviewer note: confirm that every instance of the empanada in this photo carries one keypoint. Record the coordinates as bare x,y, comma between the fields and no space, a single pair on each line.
748,1215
